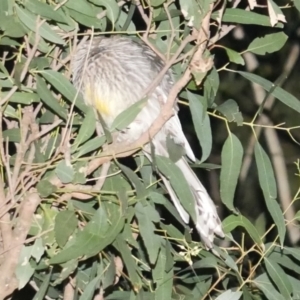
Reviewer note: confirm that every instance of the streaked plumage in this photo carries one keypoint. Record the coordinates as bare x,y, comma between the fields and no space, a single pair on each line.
113,73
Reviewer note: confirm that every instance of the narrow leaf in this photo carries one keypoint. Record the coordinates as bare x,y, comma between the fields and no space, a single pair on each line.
30,20
231,222
232,155
201,124
277,92
241,16
234,56
127,116
65,87
230,295
65,225
90,146
48,98
64,172
267,287
89,291
87,128
268,185
268,44
40,295
141,191
129,262
231,111
112,8
146,215
278,276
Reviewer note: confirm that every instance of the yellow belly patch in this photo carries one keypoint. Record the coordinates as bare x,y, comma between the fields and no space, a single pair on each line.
102,107
100,104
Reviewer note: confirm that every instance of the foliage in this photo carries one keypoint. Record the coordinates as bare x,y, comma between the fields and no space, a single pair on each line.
70,229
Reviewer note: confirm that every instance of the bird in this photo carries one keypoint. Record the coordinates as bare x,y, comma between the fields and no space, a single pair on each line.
112,73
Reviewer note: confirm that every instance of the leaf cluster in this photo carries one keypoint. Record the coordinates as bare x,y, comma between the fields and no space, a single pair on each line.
79,223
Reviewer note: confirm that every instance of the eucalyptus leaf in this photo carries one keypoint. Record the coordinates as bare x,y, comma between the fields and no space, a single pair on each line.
276,91
268,185
241,16
231,222
31,21
232,155
146,215
64,86
268,44
279,277
201,124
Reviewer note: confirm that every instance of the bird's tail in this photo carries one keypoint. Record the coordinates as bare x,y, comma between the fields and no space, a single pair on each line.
207,220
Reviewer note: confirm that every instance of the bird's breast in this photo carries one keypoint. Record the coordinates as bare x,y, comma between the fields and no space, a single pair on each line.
108,103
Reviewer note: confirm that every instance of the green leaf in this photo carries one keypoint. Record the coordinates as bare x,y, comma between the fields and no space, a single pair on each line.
82,7
231,222
295,282
80,175
65,87
211,86
234,56
295,252
24,270
146,215
12,27
40,295
279,277
277,92
112,8
48,98
65,225
232,155
268,185
38,249
241,16
266,286
122,20
42,45
163,274
229,294
45,10
45,188
22,97
12,135
284,260
67,269
297,4
129,263
86,20
207,262
30,20
175,150
141,191
100,232
194,11
127,116
231,111
90,146
110,274
178,183
200,289
201,124
156,3
268,44
89,291
87,128
64,172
